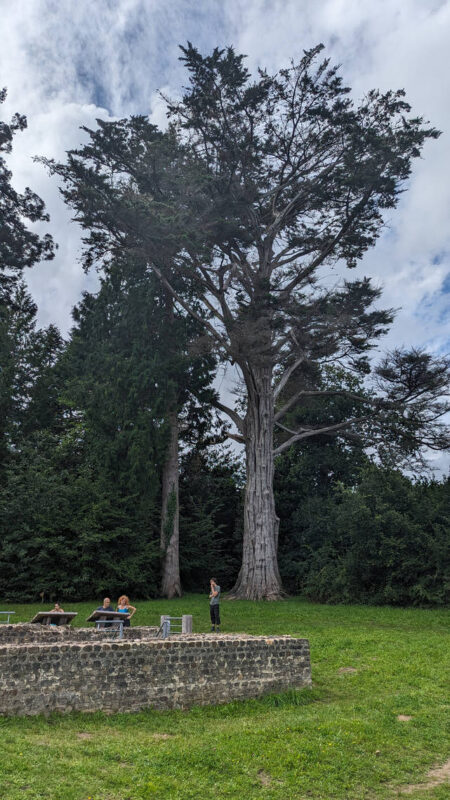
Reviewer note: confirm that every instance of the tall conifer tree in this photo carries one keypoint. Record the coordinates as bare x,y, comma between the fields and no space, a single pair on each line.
131,373
270,182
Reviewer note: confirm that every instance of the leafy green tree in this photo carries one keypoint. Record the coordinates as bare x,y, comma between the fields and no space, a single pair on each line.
383,540
302,178
132,374
255,189
125,195
19,246
28,386
67,530
210,518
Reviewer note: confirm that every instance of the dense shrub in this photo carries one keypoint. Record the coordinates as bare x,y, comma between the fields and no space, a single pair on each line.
67,533
384,540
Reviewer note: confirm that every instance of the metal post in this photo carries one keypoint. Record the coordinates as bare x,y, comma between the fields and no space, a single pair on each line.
165,624
186,623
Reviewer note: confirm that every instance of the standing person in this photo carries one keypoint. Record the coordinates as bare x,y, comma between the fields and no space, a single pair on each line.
123,605
214,609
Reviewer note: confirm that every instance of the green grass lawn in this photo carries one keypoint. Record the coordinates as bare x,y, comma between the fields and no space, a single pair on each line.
342,739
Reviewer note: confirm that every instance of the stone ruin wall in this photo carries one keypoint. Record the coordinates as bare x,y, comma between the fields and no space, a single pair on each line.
79,670
25,633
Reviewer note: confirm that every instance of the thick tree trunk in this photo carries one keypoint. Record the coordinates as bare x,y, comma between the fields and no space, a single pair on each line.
170,536
259,577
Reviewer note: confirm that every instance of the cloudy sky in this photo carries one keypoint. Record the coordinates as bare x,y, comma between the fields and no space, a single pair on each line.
67,62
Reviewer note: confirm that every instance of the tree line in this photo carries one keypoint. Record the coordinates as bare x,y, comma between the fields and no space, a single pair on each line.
214,240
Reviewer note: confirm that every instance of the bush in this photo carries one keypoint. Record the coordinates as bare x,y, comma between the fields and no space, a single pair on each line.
384,541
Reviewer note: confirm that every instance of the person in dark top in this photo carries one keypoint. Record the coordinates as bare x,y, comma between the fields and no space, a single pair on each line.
214,609
106,607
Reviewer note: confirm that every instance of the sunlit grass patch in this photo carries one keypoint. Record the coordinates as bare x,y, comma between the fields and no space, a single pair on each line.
341,740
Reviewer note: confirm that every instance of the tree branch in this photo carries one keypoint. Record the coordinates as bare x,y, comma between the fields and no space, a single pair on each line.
292,204
190,310
316,432
326,393
325,252
345,433
238,421
286,375
237,437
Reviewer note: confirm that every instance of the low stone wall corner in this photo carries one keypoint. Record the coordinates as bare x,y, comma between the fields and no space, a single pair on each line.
53,671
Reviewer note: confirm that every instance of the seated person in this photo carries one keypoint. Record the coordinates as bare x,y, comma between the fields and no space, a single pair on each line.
124,607
106,607
57,608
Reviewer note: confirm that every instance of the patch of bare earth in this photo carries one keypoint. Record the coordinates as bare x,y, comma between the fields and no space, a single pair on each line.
162,735
435,777
84,736
342,670
403,718
264,778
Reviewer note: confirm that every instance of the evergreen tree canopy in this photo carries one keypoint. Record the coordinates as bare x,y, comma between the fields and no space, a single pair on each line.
28,385
19,247
257,187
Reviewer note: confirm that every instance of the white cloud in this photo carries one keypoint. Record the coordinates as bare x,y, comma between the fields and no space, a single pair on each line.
66,63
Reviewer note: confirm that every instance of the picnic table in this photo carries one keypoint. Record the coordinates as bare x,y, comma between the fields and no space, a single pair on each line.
99,614
54,617
111,621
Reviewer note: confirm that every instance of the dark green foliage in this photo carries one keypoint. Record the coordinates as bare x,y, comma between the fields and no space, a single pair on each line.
19,247
65,532
85,439
28,382
211,237
66,529
383,540
210,519
351,531
117,384
37,505
81,484
111,371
